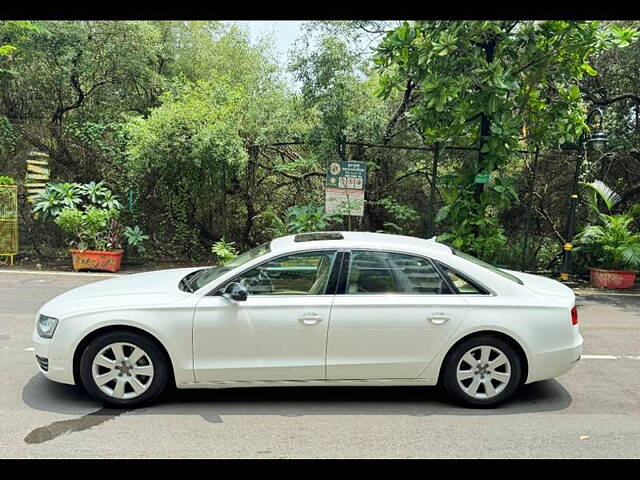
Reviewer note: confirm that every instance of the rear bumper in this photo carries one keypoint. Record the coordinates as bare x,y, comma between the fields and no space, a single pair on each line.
555,362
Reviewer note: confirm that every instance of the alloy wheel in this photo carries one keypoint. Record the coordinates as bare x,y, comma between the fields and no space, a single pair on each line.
122,370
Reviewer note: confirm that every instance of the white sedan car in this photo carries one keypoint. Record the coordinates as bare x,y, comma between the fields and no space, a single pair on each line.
328,308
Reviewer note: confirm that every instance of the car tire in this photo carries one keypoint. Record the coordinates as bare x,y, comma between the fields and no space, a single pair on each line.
134,365
481,383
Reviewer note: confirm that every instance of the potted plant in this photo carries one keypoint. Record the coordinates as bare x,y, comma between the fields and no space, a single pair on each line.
611,244
97,235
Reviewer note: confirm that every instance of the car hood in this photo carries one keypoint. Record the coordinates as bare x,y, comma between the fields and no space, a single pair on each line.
148,289
543,285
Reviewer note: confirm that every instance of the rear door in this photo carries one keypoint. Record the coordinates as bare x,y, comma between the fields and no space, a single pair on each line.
394,313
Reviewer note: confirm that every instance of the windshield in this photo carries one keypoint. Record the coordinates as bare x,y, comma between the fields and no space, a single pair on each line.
199,278
487,266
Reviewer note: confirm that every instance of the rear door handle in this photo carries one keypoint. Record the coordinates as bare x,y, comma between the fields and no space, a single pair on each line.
310,318
438,318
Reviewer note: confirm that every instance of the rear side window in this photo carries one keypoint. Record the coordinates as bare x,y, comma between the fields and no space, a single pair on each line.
461,283
382,272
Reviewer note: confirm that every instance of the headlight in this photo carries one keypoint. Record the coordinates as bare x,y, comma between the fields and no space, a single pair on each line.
46,326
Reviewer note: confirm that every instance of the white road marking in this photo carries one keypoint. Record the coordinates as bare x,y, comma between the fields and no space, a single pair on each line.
29,349
610,357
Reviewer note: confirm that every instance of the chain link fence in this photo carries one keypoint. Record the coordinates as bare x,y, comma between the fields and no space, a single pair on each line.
535,225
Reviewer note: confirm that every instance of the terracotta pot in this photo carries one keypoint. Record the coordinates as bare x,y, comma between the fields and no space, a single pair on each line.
617,279
96,260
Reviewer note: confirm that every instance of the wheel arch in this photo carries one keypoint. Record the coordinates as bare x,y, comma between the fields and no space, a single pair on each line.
112,328
515,344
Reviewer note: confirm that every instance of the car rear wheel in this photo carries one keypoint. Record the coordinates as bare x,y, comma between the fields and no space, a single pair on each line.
123,369
482,371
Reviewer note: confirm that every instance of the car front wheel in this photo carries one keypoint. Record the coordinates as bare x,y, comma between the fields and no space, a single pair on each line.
482,371
123,369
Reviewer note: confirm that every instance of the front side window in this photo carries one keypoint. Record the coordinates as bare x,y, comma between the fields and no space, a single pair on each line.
304,273
382,272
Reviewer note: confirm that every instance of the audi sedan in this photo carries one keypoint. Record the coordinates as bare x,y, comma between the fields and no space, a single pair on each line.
329,308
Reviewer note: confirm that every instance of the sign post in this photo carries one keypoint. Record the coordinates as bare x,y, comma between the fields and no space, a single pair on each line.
344,188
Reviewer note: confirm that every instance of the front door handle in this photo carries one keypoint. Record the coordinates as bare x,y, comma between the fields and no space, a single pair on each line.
438,318
310,318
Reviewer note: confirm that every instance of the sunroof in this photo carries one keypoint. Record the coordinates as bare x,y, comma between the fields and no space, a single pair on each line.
312,237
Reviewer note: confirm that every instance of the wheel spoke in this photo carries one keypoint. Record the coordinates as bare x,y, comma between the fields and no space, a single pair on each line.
484,355
118,391
465,374
470,359
473,388
136,355
499,360
105,377
501,377
488,388
136,385
143,370
118,352
104,362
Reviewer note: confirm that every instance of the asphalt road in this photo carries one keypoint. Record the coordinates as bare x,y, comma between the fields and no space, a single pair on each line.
591,412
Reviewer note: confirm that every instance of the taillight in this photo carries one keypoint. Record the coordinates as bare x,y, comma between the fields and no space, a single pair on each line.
574,316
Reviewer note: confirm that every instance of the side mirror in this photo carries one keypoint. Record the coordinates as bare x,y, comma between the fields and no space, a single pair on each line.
236,292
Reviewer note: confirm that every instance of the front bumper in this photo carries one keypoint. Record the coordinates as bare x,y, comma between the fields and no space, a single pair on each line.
59,369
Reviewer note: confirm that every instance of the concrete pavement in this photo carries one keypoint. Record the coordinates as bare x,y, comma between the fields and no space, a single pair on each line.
591,412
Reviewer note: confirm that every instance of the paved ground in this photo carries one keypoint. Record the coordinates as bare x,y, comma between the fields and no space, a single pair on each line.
592,412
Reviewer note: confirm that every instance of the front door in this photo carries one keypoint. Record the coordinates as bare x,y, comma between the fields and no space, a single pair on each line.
278,333
396,314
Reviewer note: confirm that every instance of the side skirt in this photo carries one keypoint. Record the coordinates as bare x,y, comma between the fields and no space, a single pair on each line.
389,382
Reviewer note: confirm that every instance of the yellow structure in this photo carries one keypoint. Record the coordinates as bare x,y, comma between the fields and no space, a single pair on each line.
8,221
37,174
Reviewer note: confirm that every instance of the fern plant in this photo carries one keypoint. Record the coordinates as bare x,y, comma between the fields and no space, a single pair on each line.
611,243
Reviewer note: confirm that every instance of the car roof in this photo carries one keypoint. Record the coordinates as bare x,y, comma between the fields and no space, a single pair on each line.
308,241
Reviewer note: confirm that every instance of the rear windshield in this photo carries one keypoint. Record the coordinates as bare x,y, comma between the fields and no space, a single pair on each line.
488,266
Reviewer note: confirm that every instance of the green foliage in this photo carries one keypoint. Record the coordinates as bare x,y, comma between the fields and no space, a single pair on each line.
309,218
611,243
499,86
224,251
401,215
98,229
472,226
90,229
5,180
136,237
58,196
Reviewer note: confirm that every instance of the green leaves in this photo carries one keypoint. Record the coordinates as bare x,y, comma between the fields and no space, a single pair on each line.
135,238
309,218
224,251
610,242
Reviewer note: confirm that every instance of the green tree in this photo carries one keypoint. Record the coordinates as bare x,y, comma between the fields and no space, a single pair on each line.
498,86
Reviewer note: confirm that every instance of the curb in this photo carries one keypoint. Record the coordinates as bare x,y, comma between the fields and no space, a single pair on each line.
75,274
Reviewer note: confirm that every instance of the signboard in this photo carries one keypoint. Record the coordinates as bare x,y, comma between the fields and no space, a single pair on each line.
481,178
344,190
37,174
